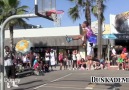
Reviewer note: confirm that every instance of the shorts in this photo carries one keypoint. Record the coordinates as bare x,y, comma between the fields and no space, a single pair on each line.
120,60
78,62
10,71
61,61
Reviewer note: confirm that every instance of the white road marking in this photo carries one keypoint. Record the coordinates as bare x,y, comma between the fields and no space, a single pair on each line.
39,86
90,86
60,78
53,81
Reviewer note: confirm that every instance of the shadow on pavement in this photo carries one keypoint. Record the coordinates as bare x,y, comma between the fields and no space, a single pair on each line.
28,88
115,85
112,86
29,85
31,82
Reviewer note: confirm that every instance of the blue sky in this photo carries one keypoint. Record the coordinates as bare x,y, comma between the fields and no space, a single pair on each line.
113,7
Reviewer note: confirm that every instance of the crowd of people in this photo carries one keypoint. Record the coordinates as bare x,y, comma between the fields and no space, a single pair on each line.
68,60
120,59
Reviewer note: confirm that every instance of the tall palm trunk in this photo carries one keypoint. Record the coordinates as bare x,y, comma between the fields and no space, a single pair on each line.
11,40
87,12
88,18
99,4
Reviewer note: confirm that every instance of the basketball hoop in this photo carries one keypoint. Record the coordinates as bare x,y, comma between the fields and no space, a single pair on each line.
56,16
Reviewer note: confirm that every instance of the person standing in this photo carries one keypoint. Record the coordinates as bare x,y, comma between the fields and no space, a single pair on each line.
31,57
52,59
69,59
65,62
61,57
47,61
74,58
9,67
78,58
114,56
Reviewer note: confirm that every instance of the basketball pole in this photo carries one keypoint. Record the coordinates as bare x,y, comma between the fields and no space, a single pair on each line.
2,42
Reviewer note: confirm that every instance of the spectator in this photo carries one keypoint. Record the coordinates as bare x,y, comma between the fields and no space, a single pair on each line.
74,58
114,56
120,62
124,57
82,64
78,59
31,58
9,67
65,62
61,57
52,59
47,61
69,59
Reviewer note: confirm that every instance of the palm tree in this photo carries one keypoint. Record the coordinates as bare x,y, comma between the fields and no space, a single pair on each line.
87,6
94,9
9,8
80,5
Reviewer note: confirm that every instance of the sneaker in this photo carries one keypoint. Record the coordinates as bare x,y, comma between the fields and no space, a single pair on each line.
8,86
68,39
15,85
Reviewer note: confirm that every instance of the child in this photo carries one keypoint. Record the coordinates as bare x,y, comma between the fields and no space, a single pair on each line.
120,63
65,62
38,68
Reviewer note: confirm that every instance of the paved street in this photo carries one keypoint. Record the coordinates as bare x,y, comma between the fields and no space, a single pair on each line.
71,80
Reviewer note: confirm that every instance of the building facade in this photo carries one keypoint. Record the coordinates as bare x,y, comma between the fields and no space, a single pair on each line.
55,38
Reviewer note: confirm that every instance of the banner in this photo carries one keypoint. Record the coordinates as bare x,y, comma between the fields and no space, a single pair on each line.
119,23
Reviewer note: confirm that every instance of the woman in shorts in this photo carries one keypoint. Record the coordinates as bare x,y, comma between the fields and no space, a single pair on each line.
61,57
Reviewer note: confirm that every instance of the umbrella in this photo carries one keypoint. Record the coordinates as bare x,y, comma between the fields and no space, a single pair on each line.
23,46
109,36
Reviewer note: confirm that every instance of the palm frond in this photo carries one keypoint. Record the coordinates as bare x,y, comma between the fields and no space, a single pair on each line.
72,0
74,13
94,10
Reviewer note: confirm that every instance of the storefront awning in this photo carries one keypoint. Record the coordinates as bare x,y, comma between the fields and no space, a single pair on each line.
47,41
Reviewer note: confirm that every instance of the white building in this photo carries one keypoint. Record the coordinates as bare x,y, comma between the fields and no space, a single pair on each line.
49,37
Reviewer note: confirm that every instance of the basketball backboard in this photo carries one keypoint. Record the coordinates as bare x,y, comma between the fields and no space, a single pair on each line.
43,6
47,9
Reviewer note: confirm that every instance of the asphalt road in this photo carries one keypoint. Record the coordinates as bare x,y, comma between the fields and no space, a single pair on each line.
72,80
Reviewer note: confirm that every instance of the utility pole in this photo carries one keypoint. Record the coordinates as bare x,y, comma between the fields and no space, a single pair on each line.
99,37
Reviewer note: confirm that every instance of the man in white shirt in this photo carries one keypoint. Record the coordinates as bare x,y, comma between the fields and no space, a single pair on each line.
47,61
114,56
52,59
9,67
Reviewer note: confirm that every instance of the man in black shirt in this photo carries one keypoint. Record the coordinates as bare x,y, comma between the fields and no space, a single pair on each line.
69,59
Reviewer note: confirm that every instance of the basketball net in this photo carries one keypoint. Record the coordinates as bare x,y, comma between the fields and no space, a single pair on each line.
57,19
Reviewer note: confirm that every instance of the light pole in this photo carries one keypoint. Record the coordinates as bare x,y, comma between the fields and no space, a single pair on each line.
99,37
